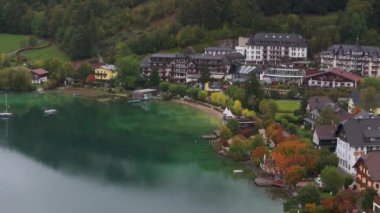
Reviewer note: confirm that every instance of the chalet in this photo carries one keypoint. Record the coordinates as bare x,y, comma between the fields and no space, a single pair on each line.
334,78
368,171
355,139
355,101
39,76
324,136
106,72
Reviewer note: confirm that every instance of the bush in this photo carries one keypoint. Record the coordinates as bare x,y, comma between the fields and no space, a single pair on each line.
202,95
164,86
348,180
233,125
225,133
309,194
193,92
246,133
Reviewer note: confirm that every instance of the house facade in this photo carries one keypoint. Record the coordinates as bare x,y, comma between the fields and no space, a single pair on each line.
333,78
106,72
273,48
368,171
184,68
363,60
39,76
218,51
356,138
324,136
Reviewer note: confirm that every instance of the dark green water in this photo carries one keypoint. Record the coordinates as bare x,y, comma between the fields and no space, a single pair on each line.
117,157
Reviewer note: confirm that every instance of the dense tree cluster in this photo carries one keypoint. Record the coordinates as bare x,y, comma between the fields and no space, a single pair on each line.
87,28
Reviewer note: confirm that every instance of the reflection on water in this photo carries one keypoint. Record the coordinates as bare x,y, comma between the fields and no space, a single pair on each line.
116,158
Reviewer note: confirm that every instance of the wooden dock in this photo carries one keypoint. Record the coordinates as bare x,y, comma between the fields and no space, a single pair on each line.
266,182
209,137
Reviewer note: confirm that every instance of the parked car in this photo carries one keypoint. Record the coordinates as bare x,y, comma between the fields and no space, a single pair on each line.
318,181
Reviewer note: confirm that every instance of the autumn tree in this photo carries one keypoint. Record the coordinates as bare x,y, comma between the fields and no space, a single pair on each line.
225,133
240,149
237,108
248,113
369,98
295,159
258,153
344,201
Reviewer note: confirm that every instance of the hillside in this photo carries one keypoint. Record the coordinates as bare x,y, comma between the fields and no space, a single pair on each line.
87,28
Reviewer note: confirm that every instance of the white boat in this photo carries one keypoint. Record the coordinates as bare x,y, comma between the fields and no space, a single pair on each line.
6,114
238,171
50,111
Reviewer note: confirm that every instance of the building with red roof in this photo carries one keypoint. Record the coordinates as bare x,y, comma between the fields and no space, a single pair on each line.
333,78
39,76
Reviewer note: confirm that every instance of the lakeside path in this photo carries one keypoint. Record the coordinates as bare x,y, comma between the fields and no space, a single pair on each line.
201,107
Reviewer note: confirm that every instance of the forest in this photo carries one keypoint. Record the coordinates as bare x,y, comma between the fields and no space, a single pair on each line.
87,28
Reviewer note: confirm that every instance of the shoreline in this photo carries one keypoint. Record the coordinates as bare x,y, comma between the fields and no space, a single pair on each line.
213,112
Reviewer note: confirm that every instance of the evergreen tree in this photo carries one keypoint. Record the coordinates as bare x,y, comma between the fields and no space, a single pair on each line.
154,79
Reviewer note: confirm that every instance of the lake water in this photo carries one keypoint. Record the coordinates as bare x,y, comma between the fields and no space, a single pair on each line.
116,158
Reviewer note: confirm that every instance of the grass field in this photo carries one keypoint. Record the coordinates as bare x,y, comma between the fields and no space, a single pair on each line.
52,52
9,43
288,106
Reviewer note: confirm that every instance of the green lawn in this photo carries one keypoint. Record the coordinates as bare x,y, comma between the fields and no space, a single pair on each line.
288,106
9,42
52,52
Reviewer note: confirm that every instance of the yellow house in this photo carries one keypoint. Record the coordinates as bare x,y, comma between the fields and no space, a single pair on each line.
106,72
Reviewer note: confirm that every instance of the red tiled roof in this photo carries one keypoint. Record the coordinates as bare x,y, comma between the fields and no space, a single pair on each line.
39,71
336,71
345,74
311,72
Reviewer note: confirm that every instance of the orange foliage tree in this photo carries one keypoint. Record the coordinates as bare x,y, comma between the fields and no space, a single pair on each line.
344,201
294,159
258,153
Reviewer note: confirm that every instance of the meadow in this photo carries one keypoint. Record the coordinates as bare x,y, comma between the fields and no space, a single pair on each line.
10,43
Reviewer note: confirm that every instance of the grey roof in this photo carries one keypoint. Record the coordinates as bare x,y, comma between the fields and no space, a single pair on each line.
360,132
234,56
318,102
343,49
168,55
277,39
207,57
325,132
226,49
